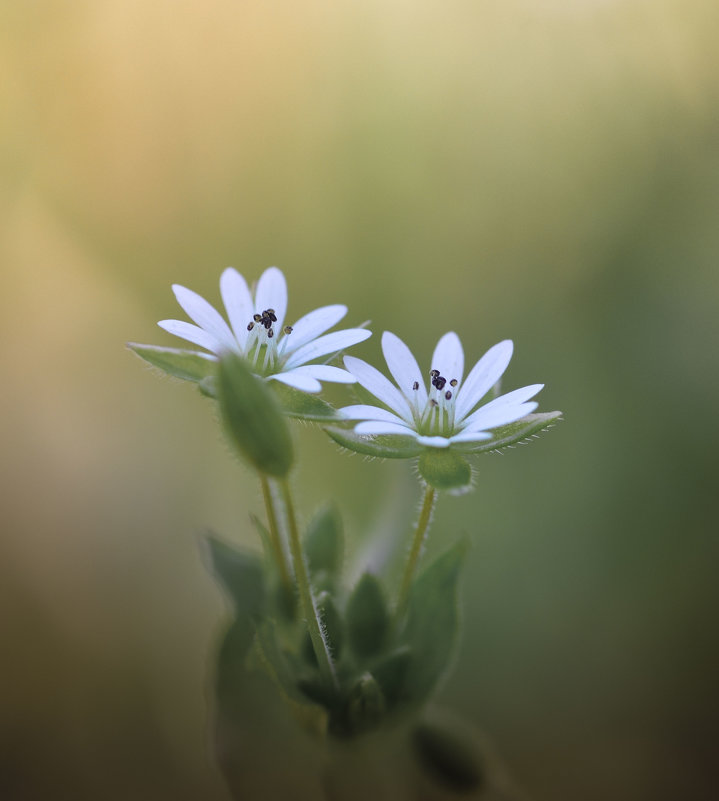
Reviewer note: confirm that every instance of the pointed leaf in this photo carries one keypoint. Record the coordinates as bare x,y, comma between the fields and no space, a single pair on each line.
239,572
432,622
189,365
365,707
383,447
391,675
324,542
521,432
302,405
367,618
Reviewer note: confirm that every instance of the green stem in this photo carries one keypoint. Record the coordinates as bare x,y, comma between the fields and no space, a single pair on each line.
430,495
275,540
319,643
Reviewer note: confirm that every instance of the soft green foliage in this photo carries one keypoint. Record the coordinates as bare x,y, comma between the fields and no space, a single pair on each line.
381,668
324,546
253,419
367,618
444,469
432,622
185,364
383,447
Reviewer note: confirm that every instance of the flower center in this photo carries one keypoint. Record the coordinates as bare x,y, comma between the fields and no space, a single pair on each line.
263,349
436,418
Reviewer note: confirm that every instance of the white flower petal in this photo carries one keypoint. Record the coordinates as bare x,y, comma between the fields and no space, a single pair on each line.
375,428
362,411
448,357
305,383
192,333
404,369
329,343
312,325
205,315
238,303
272,294
482,377
434,442
382,388
492,416
325,372
471,436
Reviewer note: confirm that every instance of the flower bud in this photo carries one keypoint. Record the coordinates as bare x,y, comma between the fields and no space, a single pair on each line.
252,418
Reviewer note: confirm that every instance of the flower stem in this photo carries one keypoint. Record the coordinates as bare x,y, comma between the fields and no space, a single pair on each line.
309,609
425,515
275,540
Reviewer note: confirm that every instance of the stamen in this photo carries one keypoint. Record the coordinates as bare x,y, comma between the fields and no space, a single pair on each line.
453,382
257,318
270,333
288,329
448,395
250,326
415,386
434,373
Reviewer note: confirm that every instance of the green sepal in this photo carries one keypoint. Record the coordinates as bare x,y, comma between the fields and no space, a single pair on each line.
324,543
366,618
383,447
451,756
521,432
332,624
240,573
189,365
432,622
252,418
444,469
303,405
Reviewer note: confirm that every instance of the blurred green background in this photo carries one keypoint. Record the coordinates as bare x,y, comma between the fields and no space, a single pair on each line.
545,170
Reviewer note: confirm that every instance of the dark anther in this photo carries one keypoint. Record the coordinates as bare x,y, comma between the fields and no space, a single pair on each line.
453,382
270,334
434,373
448,395
433,402
269,311
267,323
439,382
271,315
288,329
257,318
415,386
250,326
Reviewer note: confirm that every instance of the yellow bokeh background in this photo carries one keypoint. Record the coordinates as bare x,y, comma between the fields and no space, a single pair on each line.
545,170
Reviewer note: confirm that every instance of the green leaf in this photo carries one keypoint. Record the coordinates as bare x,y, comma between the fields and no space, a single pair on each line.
252,418
432,622
303,405
324,542
367,618
444,469
450,756
521,432
189,365
391,674
383,447
240,573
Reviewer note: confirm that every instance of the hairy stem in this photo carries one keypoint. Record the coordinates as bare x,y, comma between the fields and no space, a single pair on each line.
420,532
307,602
275,540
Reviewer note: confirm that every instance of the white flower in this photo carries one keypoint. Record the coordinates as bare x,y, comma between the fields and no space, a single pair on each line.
258,333
446,413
